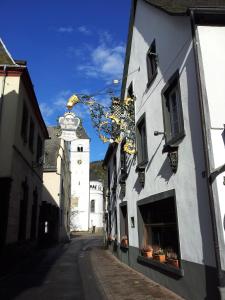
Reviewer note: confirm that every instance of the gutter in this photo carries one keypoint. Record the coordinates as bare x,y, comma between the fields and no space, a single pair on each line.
220,273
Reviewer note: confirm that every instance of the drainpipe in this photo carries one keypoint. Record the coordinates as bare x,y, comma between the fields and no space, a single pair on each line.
220,274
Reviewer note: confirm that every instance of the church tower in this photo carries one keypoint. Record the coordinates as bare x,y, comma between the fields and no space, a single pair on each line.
80,188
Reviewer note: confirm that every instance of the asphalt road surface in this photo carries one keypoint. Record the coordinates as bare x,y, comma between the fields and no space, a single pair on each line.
62,272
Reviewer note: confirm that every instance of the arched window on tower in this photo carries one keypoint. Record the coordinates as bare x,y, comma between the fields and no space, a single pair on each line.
92,205
80,148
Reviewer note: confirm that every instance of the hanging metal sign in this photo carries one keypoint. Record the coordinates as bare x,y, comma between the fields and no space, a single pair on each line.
69,124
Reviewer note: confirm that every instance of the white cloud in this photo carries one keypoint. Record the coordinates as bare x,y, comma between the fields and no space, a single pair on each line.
84,30
46,109
104,62
68,29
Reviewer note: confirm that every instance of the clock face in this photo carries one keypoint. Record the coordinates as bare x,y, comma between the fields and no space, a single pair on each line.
79,161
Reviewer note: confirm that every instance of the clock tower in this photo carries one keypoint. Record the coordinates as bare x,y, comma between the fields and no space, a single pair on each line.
80,190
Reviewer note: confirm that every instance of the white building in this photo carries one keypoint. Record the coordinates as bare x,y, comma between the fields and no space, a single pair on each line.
22,135
170,195
96,206
80,190
55,208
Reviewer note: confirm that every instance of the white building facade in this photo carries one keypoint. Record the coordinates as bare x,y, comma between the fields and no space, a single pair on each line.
22,136
80,186
55,209
96,206
169,195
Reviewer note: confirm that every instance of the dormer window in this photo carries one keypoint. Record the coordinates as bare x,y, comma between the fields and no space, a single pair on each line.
152,62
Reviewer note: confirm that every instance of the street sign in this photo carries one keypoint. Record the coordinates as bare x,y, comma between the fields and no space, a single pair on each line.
69,124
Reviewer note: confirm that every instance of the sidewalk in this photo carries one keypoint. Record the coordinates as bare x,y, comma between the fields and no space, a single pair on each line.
120,282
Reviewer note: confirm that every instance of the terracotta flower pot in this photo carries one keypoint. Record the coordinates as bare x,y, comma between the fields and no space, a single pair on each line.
160,257
124,243
147,253
173,262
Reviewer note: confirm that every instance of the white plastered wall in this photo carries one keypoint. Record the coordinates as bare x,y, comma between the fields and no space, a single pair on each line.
212,45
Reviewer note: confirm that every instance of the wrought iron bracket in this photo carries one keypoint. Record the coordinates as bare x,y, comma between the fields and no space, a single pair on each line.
172,154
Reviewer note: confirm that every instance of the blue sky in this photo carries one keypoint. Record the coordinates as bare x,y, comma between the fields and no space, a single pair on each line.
71,46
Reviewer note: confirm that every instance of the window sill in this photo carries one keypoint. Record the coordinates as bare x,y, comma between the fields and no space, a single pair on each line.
141,166
174,142
161,267
124,248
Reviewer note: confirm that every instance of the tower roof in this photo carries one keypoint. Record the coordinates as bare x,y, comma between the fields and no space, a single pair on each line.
51,149
81,133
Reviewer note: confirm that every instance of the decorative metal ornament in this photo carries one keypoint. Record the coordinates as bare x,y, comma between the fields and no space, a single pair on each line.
123,189
113,123
173,160
68,124
141,178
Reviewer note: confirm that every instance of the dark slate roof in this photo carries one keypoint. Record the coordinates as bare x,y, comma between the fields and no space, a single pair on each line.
181,6
5,57
51,149
81,133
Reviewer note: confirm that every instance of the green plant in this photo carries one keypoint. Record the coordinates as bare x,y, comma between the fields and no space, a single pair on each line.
159,252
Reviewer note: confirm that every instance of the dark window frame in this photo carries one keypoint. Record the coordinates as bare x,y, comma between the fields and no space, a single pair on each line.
92,206
172,86
149,200
31,135
24,123
39,150
152,63
142,142
123,159
124,229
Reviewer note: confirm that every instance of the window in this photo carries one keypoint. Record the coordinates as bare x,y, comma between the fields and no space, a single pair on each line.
23,211
123,219
31,135
172,111
39,150
114,173
123,158
92,206
158,222
34,215
142,141
152,63
79,149
24,125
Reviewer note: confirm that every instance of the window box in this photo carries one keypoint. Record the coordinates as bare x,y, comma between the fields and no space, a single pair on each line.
173,262
161,267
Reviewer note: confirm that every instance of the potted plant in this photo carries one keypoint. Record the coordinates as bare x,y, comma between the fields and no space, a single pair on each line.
159,255
147,251
171,258
110,239
124,241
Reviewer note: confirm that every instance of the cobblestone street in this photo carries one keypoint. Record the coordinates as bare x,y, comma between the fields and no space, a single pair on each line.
81,269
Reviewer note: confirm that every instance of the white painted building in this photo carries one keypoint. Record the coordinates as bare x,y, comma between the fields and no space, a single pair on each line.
96,206
55,208
22,135
80,189
169,194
